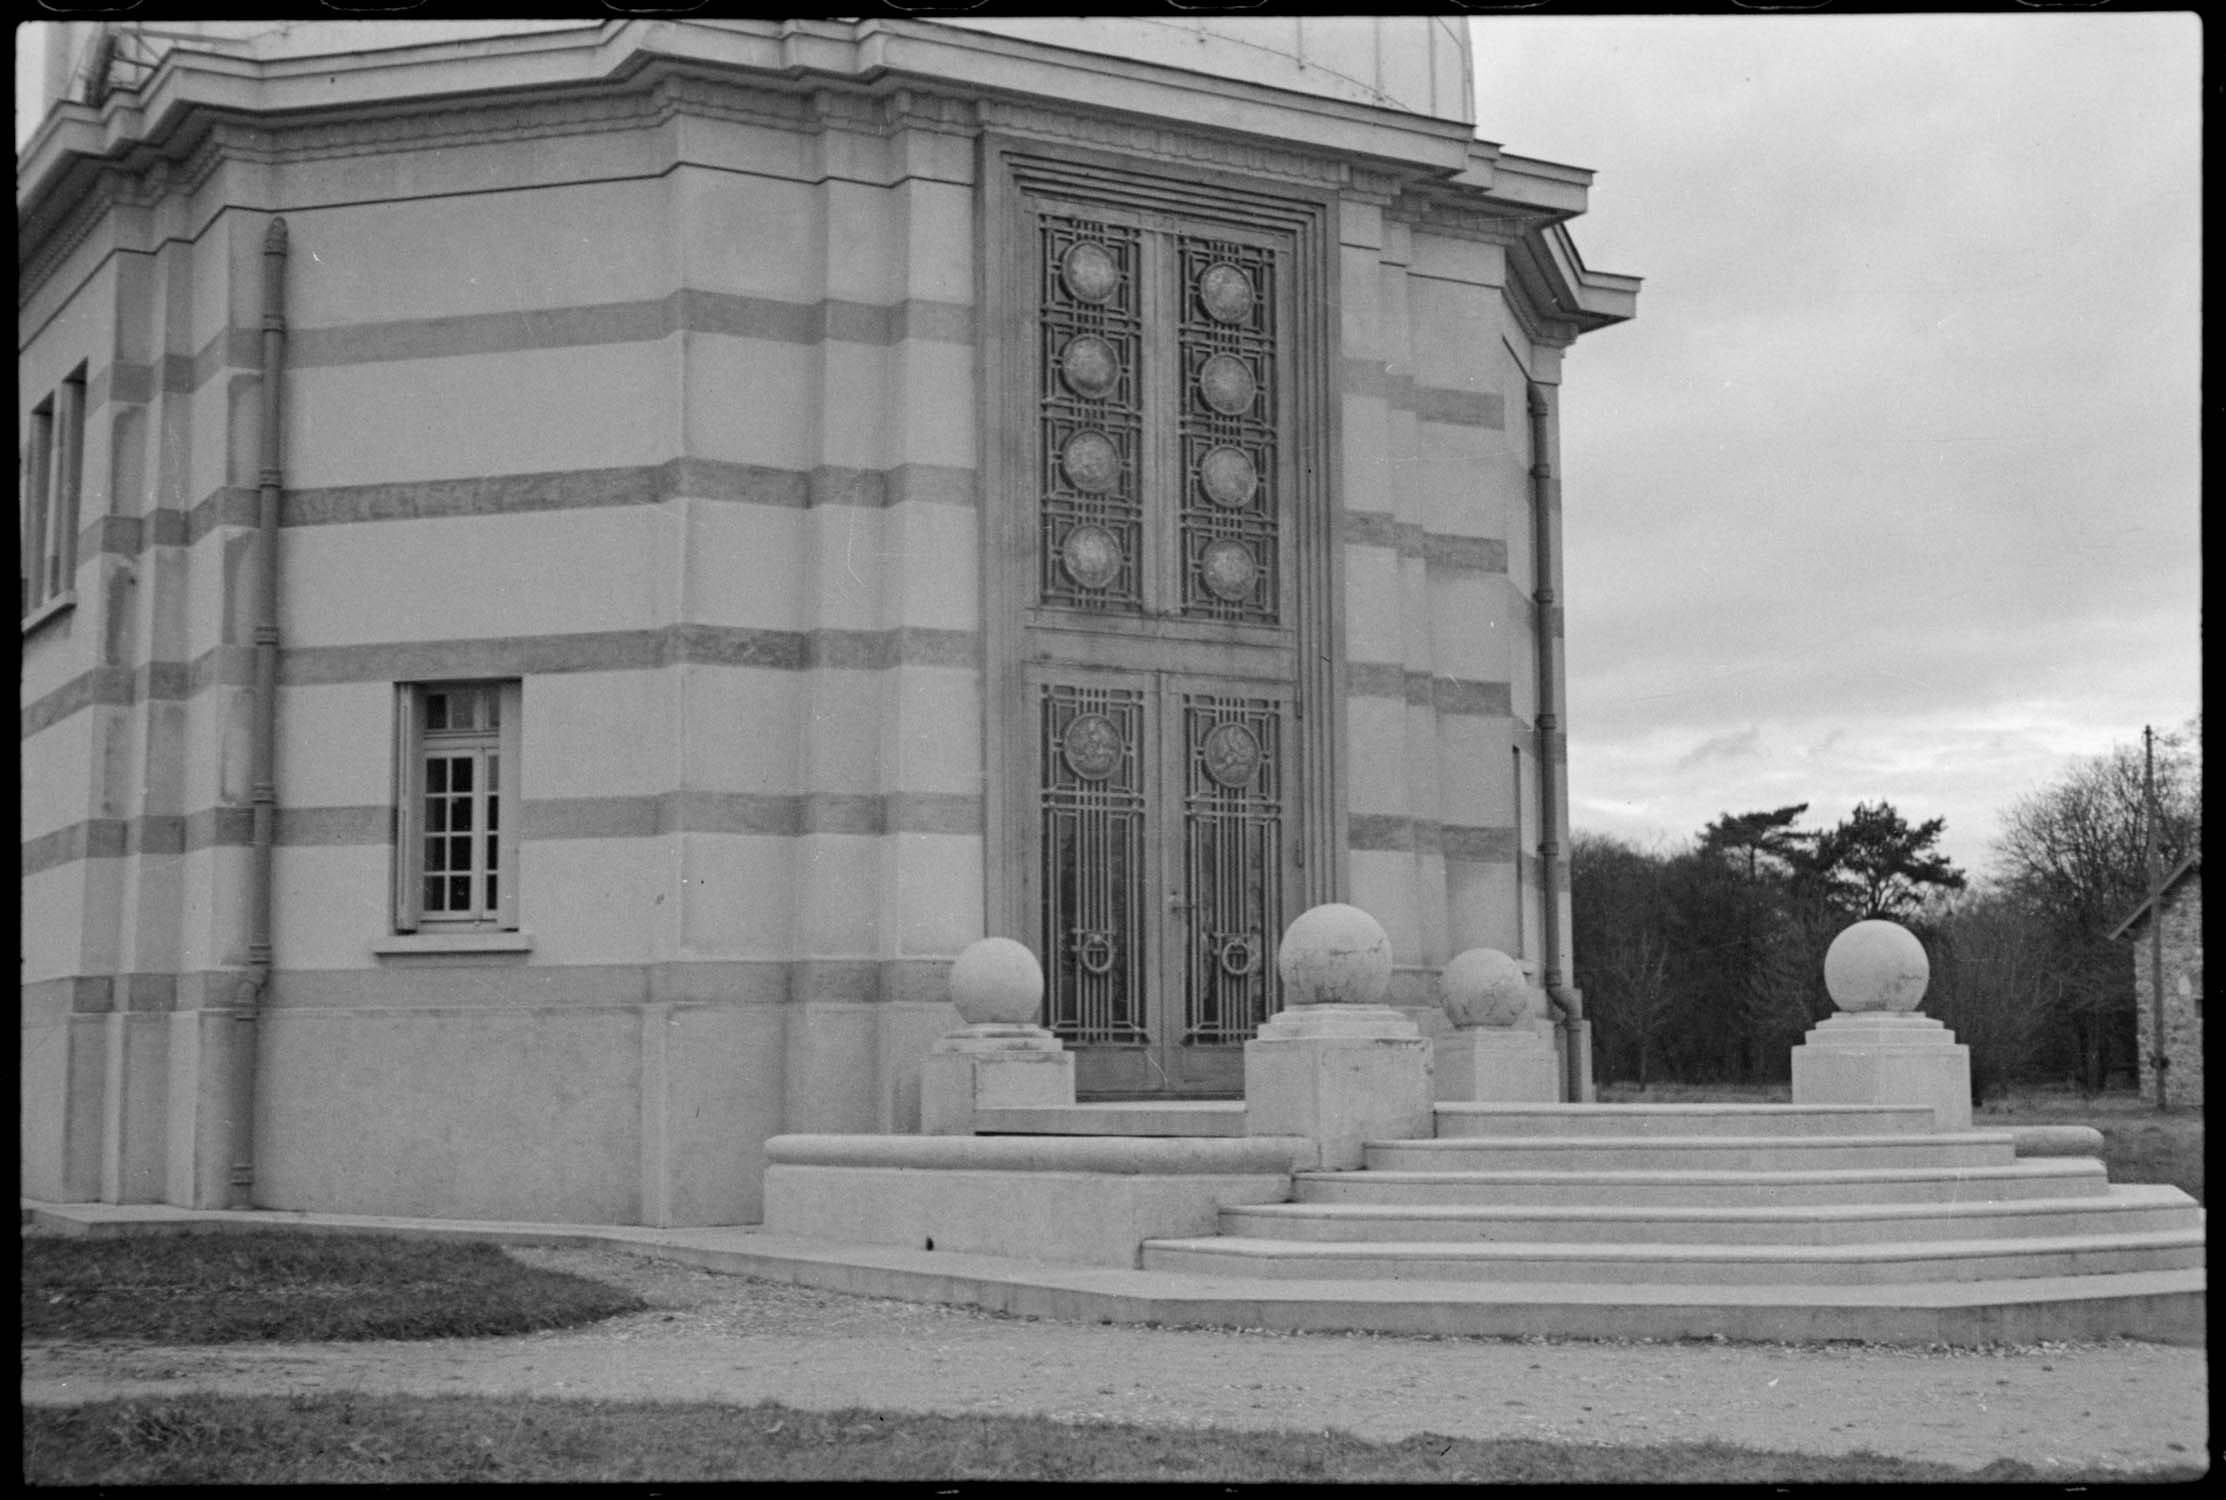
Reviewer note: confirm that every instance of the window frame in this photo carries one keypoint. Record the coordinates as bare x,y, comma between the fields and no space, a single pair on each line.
53,493
410,751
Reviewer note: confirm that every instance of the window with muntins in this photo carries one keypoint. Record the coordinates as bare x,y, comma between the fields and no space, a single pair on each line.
53,470
456,842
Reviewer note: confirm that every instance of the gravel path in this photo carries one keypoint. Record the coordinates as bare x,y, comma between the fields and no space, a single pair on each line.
723,1338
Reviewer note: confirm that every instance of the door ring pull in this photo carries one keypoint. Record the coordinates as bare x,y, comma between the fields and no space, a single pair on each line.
1238,954
1094,951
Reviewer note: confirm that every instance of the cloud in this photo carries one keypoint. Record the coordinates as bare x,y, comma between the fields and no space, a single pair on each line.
1743,744
1893,489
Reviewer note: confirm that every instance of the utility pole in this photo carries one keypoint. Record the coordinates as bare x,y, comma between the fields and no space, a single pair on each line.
2158,1061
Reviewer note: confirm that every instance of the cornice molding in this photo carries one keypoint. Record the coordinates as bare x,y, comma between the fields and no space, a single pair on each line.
107,189
638,77
1160,142
208,138
1462,217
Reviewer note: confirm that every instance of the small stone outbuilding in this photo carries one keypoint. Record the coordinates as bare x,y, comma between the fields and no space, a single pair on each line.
2179,906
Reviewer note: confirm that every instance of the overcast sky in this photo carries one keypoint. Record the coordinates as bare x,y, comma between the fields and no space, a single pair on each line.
1892,488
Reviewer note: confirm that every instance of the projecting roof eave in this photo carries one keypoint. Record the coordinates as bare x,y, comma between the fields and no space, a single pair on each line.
2187,867
1590,299
1547,195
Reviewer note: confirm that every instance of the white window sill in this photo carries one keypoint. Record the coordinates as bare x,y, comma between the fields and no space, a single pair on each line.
415,944
59,604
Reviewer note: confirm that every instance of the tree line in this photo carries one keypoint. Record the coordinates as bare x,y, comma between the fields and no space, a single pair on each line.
1706,964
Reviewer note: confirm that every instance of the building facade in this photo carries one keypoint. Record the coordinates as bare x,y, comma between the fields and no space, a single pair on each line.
2171,926
571,567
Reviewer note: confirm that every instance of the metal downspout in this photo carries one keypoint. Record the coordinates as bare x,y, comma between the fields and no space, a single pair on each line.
1566,1001
255,989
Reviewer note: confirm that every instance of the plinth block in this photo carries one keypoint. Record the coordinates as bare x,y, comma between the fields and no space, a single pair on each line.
1885,1057
1339,1075
1497,1065
991,1067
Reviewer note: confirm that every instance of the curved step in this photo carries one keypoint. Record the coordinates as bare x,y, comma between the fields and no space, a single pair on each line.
1502,1121
1893,1261
2129,1208
2038,1178
1734,1152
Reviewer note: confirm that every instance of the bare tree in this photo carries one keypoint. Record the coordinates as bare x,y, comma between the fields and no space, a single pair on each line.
1994,984
2073,852
1622,951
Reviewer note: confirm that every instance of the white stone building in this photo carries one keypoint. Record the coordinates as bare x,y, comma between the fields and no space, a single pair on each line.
570,567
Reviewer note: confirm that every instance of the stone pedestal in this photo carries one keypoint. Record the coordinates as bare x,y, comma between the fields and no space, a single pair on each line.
1878,1050
1491,1065
1885,1057
1502,1047
991,1067
1001,1059
1339,1075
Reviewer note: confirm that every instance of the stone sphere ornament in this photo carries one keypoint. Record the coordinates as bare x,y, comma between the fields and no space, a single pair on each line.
1334,955
1876,965
997,982
1484,987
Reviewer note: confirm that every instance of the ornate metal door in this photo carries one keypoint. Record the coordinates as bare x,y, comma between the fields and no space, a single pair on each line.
1161,659
1161,874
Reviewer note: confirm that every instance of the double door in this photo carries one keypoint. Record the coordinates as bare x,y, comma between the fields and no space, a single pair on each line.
1163,862
1160,652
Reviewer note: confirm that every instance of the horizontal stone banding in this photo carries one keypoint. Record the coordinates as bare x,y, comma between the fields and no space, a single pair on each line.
514,656
1395,833
1449,405
868,814
468,982
530,493
1375,528
1448,695
690,310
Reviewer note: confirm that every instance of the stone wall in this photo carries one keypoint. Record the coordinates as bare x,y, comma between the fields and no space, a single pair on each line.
676,429
1439,618
2183,995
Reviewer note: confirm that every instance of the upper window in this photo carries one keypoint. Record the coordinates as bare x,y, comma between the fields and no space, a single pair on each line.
53,467
1161,406
456,844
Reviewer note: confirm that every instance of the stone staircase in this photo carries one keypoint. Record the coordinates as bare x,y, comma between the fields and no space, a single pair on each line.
1764,1200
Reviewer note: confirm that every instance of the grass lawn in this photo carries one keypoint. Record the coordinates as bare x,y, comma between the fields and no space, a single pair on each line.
286,1285
2141,1143
404,1440
295,1285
